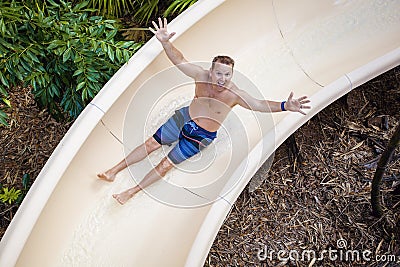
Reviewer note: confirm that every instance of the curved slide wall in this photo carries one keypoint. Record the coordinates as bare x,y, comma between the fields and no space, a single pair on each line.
322,49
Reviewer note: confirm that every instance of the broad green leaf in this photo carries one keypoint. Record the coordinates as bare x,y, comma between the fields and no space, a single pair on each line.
94,44
54,89
91,69
59,51
2,27
26,66
15,61
111,35
32,56
3,91
3,118
80,6
4,81
18,74
77,72
80,86
53,45
92,78
3,114
78,58
84,94
110,53
104,48
126,56
67,54
118,54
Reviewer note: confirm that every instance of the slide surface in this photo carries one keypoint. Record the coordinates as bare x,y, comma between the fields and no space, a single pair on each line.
322,49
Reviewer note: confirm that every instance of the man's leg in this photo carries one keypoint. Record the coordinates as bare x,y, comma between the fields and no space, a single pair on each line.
154,175
136,155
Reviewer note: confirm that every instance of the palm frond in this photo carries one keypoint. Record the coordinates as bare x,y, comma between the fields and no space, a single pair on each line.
178,6
146,11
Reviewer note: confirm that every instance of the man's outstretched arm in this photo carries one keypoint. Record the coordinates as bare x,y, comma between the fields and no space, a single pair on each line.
292,104
172,52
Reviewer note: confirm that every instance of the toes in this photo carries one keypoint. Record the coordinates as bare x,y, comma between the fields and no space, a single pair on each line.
105,177
102,176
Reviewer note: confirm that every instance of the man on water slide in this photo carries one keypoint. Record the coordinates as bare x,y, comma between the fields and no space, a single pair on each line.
195,126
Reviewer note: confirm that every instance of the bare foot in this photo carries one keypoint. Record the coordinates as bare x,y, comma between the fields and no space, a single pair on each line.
106,176
123,197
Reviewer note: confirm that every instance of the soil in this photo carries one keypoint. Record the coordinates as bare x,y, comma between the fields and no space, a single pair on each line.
317,202
26,145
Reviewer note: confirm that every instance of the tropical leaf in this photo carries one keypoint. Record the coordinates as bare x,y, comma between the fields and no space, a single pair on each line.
177,6
3,118
146,10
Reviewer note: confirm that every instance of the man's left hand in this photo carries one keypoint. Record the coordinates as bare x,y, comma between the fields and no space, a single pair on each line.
297,105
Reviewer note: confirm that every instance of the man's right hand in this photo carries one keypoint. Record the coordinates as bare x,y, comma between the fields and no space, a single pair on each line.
176,57
160,31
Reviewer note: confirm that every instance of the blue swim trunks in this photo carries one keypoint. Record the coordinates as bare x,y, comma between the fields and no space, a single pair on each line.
192,138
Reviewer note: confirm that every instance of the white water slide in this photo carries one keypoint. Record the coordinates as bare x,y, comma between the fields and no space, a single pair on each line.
319,48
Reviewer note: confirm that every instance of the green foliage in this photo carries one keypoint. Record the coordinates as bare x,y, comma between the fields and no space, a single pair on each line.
9,195
178,6
3,115
119,8
63,52
143,10
115,8
149,8
3,118
146,10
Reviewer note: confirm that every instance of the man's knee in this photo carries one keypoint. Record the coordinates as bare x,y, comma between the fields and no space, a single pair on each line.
164,166
151,144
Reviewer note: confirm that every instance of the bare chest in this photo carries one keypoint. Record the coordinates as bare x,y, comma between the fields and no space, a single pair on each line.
213,98
209,107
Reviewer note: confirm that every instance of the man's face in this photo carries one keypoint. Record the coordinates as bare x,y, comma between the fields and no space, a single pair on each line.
221,74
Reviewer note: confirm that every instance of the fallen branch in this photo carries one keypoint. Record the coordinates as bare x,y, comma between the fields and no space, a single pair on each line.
380,170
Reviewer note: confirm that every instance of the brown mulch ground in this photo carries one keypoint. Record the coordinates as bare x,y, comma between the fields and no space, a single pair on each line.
307,206
26,145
